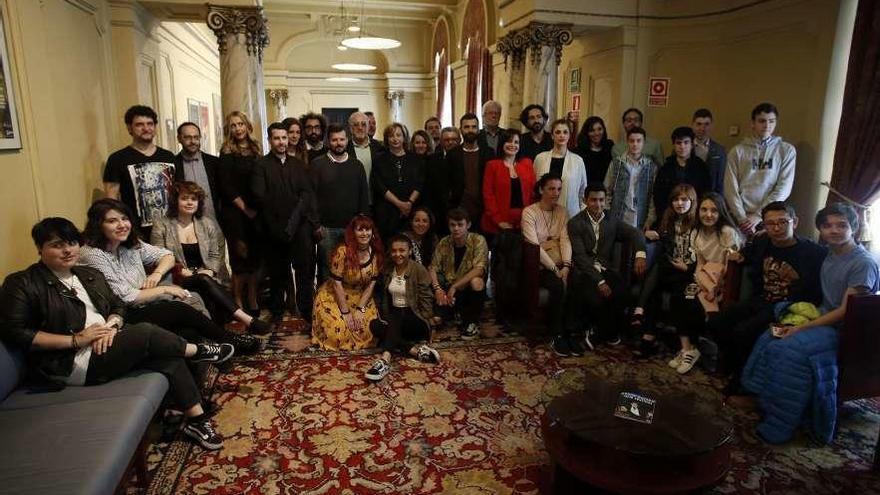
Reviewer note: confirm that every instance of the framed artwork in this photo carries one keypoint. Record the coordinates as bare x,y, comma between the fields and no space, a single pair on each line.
192,110
218,123
197,112
10,137
170,134
574,81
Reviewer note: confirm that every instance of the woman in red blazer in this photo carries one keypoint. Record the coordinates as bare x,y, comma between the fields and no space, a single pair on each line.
508,185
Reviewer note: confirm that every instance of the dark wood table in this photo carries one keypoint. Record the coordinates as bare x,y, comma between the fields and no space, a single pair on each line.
687,447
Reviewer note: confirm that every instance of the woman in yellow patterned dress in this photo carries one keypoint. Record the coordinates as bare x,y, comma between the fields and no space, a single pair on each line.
344,305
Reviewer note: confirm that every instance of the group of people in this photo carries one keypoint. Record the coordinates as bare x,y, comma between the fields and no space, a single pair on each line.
376,242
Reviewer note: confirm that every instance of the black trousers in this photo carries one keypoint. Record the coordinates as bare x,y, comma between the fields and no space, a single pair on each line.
687,318
279,260
555,303
736,329
468,304
218,300
181,319
404,328
606,314
146,346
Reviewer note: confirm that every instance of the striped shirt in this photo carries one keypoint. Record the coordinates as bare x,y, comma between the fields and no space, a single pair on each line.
124,272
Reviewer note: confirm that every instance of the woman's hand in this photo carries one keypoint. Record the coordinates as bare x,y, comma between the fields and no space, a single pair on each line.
252,214
440,298
405,208
651,235
101,344
91,333
735,256
679,265
176,292
505,225
563,274
186,272
358,318
207,272
350,323
152,280
450,295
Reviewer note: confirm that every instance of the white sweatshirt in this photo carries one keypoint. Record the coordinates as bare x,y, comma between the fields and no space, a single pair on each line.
759,172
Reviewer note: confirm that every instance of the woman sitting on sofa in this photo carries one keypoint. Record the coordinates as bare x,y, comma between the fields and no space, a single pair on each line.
198,247
73,328
114,249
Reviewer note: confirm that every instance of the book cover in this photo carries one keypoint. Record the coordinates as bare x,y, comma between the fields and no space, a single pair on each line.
635,407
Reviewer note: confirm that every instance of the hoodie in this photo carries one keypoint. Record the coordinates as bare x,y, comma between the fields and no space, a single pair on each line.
759,172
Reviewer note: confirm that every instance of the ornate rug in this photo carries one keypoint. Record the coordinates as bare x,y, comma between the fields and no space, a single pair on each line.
309,423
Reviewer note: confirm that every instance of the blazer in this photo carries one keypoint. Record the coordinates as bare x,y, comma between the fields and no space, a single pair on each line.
716,160
212,244
574,179
583,242
278,191
212,165
495,152
419,297
376,147
496,193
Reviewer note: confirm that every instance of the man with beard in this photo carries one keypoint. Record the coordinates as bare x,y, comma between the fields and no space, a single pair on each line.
284,199
488,137
467,164
340,184
371,124
436,193
314,126
361,145
141,174
432,127
535,139
194,165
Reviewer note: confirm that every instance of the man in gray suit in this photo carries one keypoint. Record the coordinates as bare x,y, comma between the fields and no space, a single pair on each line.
708,150
594,281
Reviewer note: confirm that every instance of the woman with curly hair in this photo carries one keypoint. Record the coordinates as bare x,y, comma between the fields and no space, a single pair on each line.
344,305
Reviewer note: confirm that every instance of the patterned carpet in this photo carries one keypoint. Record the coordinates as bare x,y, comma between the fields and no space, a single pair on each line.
308,423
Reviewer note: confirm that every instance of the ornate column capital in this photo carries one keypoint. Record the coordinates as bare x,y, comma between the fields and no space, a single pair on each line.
231,21
537,35
277,95
394,94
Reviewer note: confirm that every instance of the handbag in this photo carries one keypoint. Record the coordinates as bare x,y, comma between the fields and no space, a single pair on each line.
709,278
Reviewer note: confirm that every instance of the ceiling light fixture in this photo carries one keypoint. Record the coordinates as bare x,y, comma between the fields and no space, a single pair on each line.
343,79
354,67
365,41
341,48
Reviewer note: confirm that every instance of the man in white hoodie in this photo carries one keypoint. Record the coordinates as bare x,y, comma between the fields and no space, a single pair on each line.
760,170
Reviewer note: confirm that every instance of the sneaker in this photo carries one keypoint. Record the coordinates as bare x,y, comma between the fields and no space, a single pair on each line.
246,344
203,433
646,349
675,362
378,371
259,327
470,332
213,353
575,346
587,339
688,359
614,340
427,354
561,346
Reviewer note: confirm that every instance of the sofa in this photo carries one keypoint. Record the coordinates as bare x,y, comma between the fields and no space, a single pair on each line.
80,440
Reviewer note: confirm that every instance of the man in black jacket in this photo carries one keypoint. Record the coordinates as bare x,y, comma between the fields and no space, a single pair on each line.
681,167
437,177
285,202
195,165
361,145
709,150
594,280
467,163
488,137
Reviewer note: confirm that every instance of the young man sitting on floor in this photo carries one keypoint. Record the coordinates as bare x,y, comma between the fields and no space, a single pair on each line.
458,271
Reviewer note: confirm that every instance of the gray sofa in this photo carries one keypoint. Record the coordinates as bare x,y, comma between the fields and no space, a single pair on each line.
79,440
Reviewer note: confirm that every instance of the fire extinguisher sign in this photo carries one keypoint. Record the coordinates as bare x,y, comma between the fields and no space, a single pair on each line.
658,92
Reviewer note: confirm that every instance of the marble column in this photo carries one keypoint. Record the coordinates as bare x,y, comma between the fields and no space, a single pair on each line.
279,102
395,97
242,34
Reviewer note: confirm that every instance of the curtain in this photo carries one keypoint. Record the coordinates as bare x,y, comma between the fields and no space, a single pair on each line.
486,89
442,81
856,171
474,63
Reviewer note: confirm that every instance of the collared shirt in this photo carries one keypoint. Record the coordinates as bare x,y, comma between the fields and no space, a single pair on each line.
631,202
365,156
124,272
476,254
597,229
701,148
194,171
491,138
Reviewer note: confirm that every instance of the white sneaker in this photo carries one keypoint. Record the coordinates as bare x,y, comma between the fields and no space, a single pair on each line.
378,371
427,354
675,362
688,359
471,332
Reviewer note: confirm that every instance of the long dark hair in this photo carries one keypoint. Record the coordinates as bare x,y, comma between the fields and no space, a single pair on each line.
583,138
689,219
724,216
351,246
426,246
94,233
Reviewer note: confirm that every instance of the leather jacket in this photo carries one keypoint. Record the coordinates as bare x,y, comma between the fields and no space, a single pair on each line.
35,300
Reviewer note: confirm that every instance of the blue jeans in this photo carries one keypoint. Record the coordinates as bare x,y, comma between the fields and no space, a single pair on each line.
332,238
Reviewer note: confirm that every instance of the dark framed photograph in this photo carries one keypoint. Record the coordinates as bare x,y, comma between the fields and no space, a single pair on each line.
10,137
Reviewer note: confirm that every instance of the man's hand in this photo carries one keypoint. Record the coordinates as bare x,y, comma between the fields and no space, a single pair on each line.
405,208
450,295
651,235
604,290
152,280
207,272
735,256
748,225
640,266
440,298
176,292
679,265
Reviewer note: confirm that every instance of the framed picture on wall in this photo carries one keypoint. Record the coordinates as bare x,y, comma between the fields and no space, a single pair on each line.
574,81
205,124
10,137
218,123
192,110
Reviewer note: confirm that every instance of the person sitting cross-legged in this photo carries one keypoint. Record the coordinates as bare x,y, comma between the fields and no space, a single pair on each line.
72,327
406,309
793,369
458,270
593,281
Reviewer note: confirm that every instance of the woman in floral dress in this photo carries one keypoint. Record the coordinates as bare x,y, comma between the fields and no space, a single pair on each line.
344,305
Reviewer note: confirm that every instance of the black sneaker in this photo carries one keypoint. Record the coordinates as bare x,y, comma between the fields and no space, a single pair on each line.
203,433
470,332
646,349
561,347
614,340
259,327
378,371
246,344
427,354
213,353
574,345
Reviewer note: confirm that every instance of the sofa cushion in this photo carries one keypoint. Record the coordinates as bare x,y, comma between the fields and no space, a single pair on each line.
11,369
81,447
141,383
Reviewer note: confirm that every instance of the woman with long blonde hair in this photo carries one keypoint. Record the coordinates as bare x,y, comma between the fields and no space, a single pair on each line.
238,157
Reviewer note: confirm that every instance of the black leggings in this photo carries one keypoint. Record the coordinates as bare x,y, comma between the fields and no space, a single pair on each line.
180,318
404,328
218,300
146,346
555,303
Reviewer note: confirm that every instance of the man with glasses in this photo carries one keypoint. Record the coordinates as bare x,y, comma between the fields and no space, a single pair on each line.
633,119
782,267
361,145
314,126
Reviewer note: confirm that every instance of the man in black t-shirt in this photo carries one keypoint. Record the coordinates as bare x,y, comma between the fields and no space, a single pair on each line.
141,174
535,139
782,267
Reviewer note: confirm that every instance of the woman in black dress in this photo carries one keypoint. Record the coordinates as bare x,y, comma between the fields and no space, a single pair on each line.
397,178
594,147
238,157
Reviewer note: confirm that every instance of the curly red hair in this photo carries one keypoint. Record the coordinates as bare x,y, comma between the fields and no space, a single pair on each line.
351,244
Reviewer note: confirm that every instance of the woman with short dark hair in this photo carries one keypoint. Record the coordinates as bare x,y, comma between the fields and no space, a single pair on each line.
397,179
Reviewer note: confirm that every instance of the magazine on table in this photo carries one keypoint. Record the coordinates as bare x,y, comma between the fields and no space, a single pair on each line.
635,407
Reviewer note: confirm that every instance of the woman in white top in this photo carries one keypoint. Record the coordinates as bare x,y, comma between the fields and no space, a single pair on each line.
544,225
565,164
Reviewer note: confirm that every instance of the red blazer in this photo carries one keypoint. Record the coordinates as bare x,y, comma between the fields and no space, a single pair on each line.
496,193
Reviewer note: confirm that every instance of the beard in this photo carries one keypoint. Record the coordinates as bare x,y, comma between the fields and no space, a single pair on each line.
470,137
313,138
537,127
337,151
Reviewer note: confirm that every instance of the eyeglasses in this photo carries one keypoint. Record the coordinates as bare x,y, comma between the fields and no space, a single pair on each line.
778,223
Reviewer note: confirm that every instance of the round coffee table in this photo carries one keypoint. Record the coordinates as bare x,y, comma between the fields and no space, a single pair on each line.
684,448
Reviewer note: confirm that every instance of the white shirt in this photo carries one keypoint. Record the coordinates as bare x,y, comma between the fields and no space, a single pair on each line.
83,354
365,156
397,289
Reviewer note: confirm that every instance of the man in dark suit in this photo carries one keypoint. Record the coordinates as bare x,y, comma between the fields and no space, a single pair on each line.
361,145
194,165
488,137
594,281
436,193
708,150
467,163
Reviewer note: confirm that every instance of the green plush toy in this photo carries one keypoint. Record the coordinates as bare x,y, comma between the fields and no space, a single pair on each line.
799,313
